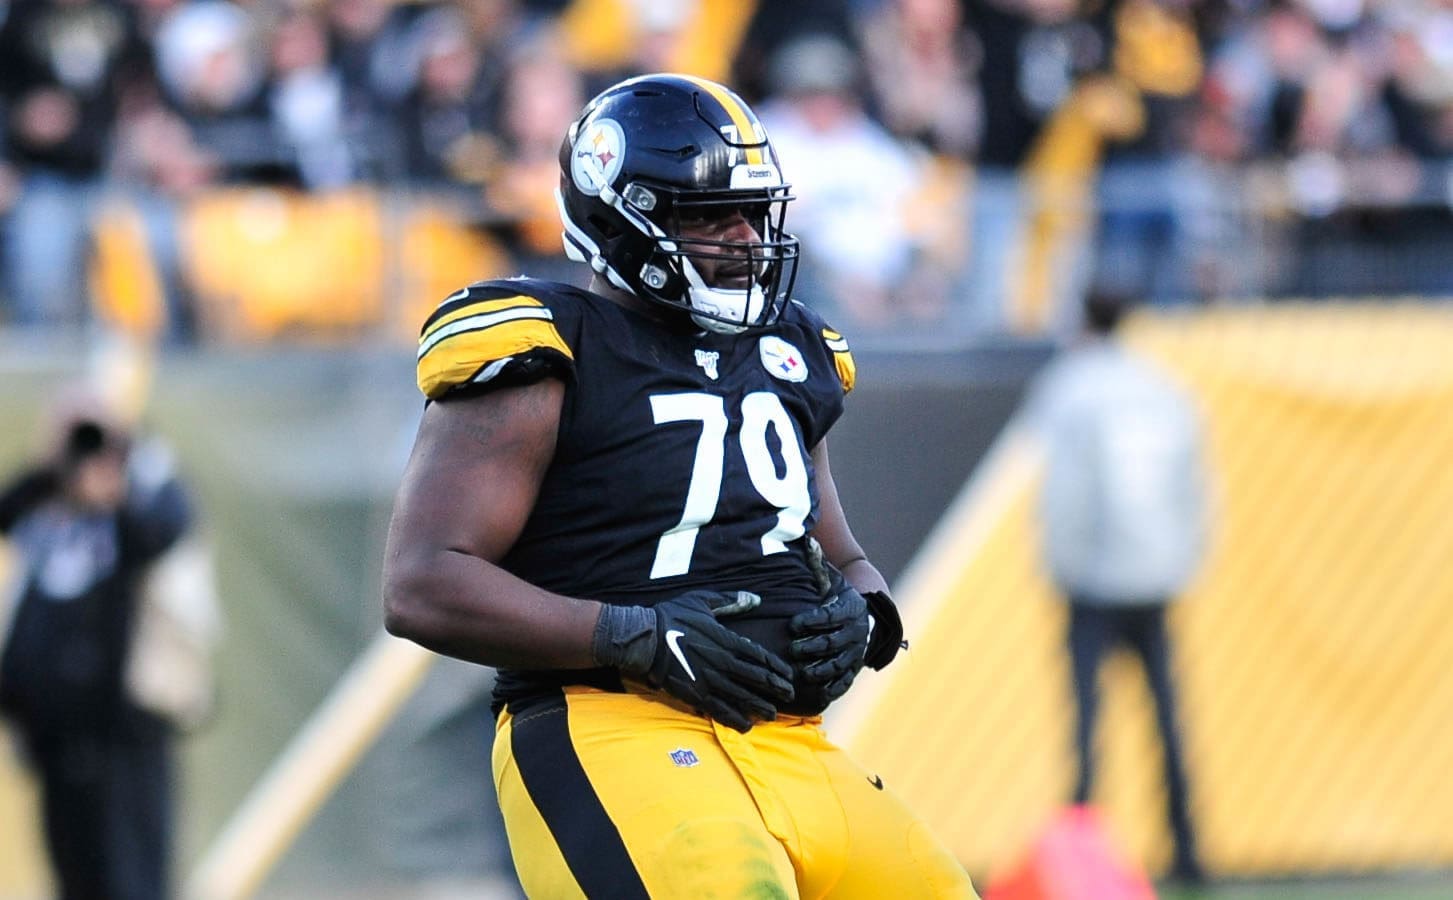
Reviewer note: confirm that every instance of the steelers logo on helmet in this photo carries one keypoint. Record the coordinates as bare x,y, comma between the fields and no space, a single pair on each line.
781,359
599,153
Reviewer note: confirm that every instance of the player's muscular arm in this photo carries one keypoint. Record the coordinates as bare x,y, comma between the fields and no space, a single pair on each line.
839,546
466,494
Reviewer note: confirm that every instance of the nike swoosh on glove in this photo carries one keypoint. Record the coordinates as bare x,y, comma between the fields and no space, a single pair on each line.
679,646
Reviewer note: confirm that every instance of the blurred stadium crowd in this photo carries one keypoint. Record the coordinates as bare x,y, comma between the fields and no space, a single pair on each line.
209,169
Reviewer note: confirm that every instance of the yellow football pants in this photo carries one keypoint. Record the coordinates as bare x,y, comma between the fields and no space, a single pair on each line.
630,796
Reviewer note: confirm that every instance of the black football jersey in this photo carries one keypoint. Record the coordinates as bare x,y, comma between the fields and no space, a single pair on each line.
683,457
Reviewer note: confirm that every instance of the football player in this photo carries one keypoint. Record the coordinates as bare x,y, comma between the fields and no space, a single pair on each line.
621,497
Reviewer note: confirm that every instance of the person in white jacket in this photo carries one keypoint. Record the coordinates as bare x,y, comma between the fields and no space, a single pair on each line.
1124,523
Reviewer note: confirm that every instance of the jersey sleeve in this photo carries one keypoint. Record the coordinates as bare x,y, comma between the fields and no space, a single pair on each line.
842,357
809,320
488,335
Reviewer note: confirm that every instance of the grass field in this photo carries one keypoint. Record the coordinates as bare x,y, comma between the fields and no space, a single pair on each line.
1422,887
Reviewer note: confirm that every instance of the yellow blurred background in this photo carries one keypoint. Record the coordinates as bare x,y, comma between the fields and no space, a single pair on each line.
1312,650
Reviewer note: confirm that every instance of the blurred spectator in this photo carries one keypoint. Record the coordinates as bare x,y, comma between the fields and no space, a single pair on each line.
213,70
447,117
922,68
307,101
1124,521
1034,53
157,166
89,522
662,29
150,14
156,150
1155,51
1419,89
373,51
1221,256
774,26
63,64
620,38
853,180
541,95
655,40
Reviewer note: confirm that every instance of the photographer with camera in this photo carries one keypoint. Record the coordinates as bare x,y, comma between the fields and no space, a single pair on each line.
88,523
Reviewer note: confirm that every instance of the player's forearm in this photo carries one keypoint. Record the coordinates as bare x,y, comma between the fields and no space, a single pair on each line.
863,575
461,606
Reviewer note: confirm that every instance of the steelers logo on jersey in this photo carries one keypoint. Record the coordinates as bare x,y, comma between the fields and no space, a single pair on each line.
600,151
781,359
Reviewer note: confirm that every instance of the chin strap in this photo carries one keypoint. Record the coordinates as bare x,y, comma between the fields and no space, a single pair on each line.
722,310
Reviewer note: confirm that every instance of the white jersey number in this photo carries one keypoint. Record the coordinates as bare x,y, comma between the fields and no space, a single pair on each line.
761,411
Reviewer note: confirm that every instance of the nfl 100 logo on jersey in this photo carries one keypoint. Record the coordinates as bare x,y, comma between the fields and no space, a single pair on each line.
707,360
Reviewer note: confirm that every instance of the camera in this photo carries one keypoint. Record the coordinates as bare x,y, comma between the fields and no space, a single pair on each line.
88,438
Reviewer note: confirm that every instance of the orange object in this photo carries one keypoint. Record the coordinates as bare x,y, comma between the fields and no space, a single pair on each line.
1073,859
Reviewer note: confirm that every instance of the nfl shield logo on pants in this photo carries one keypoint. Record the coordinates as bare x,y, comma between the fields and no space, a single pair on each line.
684,758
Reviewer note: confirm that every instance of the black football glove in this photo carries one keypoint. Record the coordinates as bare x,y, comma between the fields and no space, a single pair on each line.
678,646
830,642
885,630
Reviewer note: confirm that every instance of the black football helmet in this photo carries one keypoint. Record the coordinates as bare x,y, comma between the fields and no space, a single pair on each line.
655,152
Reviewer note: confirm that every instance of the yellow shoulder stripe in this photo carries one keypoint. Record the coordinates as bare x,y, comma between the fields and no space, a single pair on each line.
483,306
478,354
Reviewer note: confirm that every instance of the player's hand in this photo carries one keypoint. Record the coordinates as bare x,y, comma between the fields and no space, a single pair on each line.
885,630
678,646
729,677
830,642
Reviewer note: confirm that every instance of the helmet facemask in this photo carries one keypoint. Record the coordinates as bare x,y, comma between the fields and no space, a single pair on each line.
729,286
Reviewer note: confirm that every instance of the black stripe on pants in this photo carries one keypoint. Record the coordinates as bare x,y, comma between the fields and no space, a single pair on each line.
561,791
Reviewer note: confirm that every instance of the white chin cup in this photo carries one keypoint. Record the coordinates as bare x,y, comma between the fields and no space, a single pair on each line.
739,307
735,306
